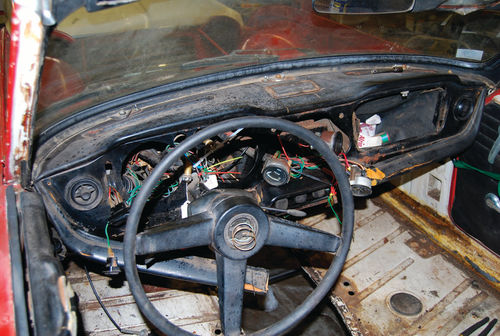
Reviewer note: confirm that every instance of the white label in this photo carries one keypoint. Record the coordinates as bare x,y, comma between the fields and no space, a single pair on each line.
472,54
367,130
184,210
369,141
211,182
374,120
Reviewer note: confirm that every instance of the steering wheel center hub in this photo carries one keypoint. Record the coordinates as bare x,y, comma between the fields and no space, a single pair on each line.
241,228
241,232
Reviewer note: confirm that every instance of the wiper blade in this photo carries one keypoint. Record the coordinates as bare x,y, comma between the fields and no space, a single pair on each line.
235,57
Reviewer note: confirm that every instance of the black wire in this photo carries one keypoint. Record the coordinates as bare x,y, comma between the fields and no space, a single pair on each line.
123,331
488,328
474,327
311,176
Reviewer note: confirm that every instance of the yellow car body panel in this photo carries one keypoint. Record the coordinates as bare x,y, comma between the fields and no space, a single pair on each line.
145,15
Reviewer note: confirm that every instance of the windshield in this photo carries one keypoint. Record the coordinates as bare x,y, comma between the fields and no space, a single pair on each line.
95,57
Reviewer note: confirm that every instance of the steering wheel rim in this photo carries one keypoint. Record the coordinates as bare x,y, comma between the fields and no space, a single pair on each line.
301,311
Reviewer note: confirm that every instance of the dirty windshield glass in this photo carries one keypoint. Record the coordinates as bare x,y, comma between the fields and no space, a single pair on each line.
95,57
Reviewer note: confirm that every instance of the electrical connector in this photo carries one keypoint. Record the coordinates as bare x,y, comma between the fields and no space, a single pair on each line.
112,267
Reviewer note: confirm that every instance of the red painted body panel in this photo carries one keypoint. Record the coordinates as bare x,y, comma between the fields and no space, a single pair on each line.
12,43
3,98
9,51
52,91
291,32
7,317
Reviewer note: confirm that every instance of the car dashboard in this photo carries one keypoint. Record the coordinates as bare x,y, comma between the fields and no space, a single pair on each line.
90,170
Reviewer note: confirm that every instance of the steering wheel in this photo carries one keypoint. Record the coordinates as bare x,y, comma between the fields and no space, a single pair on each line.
233,225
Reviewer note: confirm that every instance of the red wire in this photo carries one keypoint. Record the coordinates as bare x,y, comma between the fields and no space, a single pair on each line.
345,158
332,190
329,172
217,173
282,147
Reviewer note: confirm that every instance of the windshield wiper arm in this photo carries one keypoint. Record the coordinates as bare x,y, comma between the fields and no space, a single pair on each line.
235,57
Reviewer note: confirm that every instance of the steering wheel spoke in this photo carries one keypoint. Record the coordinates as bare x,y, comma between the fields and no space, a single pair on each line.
286,233
192,231
230,282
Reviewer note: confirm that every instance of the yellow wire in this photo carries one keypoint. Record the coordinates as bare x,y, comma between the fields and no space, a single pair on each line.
331,207
226,161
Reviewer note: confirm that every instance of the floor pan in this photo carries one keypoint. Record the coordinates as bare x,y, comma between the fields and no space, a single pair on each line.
396,281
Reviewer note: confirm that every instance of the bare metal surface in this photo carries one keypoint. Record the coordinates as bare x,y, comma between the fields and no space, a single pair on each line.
389,255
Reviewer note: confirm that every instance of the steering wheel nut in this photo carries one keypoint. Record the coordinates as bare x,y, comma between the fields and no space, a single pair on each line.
241,228
241,232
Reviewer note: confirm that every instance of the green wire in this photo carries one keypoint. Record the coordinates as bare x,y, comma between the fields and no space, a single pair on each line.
301,164
170,189
134,175
133,193
106,232
461,164
331,207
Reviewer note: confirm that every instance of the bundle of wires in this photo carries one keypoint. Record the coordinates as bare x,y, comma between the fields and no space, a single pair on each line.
217,168
331,199
114,197
137,186
137,180
297,166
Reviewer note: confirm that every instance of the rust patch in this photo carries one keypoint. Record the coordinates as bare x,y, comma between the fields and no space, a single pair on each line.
292,89
26,90
371,159
466,249
28,62
346,288
399,172
354,324
423,246
30,33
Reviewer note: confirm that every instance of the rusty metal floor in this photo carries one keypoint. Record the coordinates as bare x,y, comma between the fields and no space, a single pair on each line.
396,282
